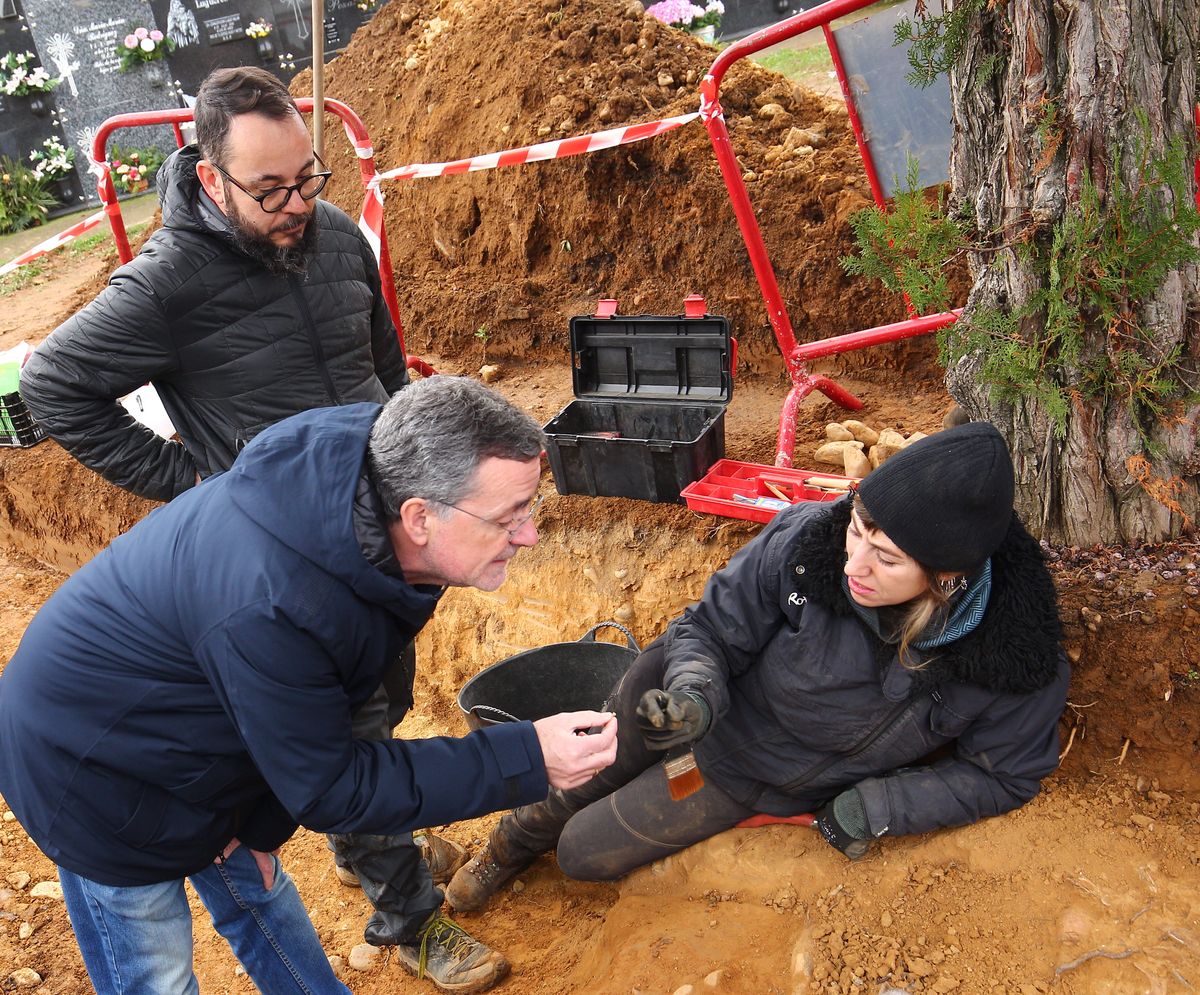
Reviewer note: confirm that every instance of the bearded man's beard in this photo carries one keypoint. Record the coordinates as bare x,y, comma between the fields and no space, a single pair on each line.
279,260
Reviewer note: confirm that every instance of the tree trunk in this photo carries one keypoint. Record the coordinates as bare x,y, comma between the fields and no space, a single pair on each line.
1096,61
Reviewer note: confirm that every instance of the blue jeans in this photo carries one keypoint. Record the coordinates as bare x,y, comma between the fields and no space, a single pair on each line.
138,940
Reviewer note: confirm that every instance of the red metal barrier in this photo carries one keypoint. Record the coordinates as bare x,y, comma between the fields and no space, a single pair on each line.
794,355
355,130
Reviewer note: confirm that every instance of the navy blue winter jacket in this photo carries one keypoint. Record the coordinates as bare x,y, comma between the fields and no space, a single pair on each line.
808,701
195,680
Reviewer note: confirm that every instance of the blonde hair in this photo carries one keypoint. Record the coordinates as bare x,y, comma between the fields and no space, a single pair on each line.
922,609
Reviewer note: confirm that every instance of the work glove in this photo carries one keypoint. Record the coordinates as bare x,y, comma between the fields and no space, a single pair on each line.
843,823
672,718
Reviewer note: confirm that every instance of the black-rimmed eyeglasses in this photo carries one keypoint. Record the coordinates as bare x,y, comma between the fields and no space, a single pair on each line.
512,525
274,200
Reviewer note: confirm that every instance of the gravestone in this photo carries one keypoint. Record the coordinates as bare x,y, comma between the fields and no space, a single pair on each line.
21,130
898,119
211,34
79,42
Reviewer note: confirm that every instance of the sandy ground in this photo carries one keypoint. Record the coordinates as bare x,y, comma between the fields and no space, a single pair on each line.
1094,887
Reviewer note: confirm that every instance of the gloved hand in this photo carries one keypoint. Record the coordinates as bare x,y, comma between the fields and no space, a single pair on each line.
672,718
843,823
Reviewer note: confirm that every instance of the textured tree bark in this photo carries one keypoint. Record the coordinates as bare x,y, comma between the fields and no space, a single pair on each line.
1086,65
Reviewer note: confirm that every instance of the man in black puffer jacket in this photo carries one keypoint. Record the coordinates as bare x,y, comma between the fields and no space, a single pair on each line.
240,317
254,301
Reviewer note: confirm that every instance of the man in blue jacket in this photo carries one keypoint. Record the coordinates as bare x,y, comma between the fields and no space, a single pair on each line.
183,703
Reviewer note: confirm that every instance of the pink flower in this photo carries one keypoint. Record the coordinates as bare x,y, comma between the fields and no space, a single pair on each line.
141,32
131,41
156,35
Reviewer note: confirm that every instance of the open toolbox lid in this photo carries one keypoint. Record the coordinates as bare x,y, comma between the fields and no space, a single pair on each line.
690,357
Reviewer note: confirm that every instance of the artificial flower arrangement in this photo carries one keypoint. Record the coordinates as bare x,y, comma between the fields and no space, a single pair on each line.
142,45
24,199
19,76
52,161
133,170
258,29
686,15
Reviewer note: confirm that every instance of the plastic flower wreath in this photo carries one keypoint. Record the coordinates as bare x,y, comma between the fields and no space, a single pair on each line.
258,29
142,45
19,76
53,161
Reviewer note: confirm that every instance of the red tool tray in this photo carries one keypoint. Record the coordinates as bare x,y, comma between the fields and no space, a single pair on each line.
735,489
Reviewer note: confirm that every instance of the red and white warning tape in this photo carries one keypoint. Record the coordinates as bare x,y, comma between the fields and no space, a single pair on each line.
559,149
53,242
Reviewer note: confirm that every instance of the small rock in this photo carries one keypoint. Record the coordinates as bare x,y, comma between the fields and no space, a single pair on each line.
363,957
920,967
768,111
713,978
666,79
47,889
337,963
545,129
518,886
9,817
943,985
838,433
25,977
489,373
749,176
684,990
411,63
861,431
26,930
885,920
18,879
239,971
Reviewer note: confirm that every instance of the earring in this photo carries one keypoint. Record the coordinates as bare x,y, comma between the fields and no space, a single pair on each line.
953,585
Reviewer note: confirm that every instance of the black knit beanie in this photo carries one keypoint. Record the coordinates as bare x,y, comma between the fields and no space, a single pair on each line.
947,499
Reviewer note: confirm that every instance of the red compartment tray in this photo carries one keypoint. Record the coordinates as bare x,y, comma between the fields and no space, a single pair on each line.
734,489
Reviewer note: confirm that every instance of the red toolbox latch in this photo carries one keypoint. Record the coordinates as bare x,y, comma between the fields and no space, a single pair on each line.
605,308
694,306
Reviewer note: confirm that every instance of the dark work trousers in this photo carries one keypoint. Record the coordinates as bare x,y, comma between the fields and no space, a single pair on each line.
624,816
394,877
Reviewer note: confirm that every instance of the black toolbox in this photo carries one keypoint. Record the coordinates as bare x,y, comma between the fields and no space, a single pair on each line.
649,413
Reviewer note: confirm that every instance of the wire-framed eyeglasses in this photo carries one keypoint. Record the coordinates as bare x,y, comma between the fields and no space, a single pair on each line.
512,525
274,200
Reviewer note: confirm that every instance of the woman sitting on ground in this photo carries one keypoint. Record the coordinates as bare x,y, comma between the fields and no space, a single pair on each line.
821,669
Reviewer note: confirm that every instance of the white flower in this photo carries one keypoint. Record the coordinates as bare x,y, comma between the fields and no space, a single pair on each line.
146,45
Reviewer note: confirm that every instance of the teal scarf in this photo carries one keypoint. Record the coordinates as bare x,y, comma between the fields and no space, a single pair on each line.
966,612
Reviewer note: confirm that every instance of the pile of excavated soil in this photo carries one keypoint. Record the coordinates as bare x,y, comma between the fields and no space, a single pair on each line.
521,249
1093,887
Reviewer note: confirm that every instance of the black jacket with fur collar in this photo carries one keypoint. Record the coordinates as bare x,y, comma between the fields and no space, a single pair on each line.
808,701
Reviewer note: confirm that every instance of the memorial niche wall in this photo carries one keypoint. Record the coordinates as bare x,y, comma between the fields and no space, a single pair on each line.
77,40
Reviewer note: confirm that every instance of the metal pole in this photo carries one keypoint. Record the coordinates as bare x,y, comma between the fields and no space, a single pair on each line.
318,75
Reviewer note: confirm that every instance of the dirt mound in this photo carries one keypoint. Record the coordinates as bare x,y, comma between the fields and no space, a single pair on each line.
517,251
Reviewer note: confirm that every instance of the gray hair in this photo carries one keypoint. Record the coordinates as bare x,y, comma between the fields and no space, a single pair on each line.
432,435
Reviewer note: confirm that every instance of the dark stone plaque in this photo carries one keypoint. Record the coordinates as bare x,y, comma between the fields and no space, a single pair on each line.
78,41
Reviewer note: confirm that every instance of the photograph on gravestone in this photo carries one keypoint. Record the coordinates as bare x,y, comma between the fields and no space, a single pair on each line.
83,41
898,119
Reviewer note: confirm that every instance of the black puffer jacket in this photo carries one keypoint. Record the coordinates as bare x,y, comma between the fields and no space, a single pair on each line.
808,701
230,347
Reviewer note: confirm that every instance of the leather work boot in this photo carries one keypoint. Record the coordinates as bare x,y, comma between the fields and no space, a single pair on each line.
452,958
484,875
442,856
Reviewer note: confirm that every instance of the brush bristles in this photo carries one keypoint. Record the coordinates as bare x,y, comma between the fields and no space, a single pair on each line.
683,776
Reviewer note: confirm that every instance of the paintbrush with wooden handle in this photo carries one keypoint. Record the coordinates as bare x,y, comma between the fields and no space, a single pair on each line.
683,776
